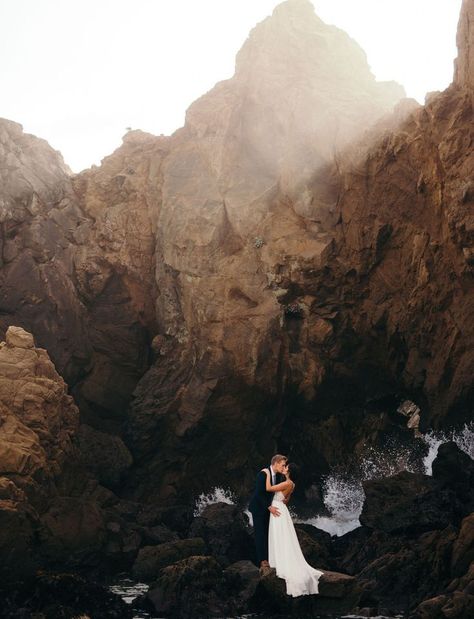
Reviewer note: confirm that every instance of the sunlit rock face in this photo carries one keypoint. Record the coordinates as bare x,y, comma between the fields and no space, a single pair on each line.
76,266
236,219
38,419
464,66
39,217
268,277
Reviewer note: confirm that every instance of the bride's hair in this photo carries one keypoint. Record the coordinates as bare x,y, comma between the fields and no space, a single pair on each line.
293,470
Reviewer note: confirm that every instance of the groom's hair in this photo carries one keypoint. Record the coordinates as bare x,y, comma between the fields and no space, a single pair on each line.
278,458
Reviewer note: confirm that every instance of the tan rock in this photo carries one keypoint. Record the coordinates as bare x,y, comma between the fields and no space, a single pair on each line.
18,337
464,65
37,415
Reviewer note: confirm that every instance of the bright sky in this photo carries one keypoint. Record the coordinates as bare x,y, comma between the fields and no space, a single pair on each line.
77,73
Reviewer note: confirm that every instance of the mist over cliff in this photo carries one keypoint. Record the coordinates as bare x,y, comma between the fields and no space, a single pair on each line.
278,275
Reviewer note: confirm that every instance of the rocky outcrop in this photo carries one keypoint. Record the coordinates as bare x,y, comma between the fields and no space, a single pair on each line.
37,423
464,65
72,274
267,277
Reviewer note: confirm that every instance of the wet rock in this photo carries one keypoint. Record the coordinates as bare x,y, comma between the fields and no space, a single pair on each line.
73,531
463,549
407,502
158,534
408,570
61,595
176,517
453,469
151,559
104,455
315,545
194,587
242,579
338,593
224,529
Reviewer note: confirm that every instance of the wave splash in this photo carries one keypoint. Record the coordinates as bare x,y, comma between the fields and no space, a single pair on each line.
217,495
343,493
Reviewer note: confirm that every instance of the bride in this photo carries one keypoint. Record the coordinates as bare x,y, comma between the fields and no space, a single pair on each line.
284,551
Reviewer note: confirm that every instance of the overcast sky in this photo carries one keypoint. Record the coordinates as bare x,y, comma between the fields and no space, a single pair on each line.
77,73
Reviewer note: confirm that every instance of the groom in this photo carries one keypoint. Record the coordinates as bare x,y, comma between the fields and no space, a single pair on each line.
260,507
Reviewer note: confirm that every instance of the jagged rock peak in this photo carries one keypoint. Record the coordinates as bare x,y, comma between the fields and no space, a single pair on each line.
464,65
296,45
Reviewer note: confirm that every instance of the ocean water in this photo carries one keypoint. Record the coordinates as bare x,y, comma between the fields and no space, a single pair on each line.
343,493
343,497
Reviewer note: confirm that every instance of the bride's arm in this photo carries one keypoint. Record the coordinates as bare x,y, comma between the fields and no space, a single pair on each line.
283,486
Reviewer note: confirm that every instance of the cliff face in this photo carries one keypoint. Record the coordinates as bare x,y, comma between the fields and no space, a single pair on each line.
276,274
38,420
235,219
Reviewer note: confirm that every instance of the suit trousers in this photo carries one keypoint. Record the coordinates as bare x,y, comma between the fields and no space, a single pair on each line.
261,521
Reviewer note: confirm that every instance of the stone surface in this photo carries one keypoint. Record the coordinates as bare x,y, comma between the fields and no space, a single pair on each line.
38,416
464,65
194,587
105,455
224,529
60,595
269,277
151,559
408,502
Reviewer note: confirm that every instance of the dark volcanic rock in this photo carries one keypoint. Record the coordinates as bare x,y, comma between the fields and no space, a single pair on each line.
194,587
62,596
339,593
242,579
151,559
407,502
225,531
316,545
454,469
104,455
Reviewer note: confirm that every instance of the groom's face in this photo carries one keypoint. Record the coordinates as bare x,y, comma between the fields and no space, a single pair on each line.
279,466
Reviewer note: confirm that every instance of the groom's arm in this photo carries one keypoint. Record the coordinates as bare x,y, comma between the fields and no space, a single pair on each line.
261,490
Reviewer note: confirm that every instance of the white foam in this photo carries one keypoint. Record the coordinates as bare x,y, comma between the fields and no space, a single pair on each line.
217,495
463,438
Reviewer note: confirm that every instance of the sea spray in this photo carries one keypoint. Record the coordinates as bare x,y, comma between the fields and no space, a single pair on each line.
217,495
463,438
343,493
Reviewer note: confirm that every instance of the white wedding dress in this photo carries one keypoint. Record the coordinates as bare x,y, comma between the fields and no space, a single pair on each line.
285,555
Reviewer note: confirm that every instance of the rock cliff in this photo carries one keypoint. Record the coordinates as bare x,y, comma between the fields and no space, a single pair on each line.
276,275
238,283
38,420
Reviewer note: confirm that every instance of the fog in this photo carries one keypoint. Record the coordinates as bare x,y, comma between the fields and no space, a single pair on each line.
79,73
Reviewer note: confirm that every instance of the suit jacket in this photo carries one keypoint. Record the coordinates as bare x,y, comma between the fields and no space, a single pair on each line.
261,499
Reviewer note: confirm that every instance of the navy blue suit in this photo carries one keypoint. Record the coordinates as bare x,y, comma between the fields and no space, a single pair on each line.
258,506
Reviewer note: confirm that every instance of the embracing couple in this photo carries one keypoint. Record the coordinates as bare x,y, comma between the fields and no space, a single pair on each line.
275,536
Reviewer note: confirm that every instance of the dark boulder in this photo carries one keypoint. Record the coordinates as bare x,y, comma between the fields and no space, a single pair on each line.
151,559
407,502
193,587
176,517
316,545
453,469
224,529
242,580
62,596
411,569
338,593
463,549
